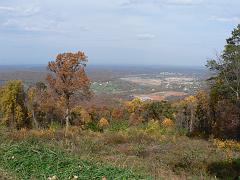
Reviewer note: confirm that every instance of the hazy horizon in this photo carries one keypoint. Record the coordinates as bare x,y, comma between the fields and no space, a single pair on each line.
109,65
124,32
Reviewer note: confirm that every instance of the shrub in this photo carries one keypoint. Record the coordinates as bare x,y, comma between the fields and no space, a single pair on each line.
226,123
103,123
117,125
153,126
135,119
225,169
230,144
157,110
55,125
134,106
167,122
80,116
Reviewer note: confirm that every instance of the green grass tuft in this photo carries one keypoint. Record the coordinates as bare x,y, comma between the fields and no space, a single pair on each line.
31,160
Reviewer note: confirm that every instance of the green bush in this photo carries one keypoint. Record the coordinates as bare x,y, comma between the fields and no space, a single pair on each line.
225,169
118,125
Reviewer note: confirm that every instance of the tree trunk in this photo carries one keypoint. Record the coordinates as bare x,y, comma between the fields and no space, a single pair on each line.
35,123
67,122
12,121
191,120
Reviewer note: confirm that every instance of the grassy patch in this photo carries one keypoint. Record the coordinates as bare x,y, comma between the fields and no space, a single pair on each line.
105,87
31,160
39,154
226,169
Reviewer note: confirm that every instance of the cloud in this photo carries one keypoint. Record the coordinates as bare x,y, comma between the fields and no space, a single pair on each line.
83,28
162,2
145,36
226,19
6,8
28,18
104,28
183,2
41,24
33,26
29,10
37,17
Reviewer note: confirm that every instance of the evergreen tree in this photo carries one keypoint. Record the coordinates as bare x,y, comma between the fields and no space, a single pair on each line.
226,82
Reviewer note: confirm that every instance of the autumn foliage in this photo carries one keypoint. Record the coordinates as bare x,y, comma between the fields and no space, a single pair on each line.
68,80
214,111
12,104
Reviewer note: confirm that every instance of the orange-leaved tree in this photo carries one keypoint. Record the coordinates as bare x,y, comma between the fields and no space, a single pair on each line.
68,80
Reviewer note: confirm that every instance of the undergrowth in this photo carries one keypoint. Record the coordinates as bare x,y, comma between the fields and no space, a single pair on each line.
32,160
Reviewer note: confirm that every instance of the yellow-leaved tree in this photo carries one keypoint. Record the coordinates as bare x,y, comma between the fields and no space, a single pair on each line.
12,104
134,106
80,116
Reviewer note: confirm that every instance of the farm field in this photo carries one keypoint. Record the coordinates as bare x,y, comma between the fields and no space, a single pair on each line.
148,83
161,96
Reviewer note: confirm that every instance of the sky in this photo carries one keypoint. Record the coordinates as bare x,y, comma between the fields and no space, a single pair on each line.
116,32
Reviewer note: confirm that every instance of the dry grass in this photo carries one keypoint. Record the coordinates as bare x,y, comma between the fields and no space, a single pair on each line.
161,155
6,175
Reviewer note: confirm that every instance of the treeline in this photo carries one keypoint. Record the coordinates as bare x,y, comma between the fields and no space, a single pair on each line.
217,111
213,112
39,107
